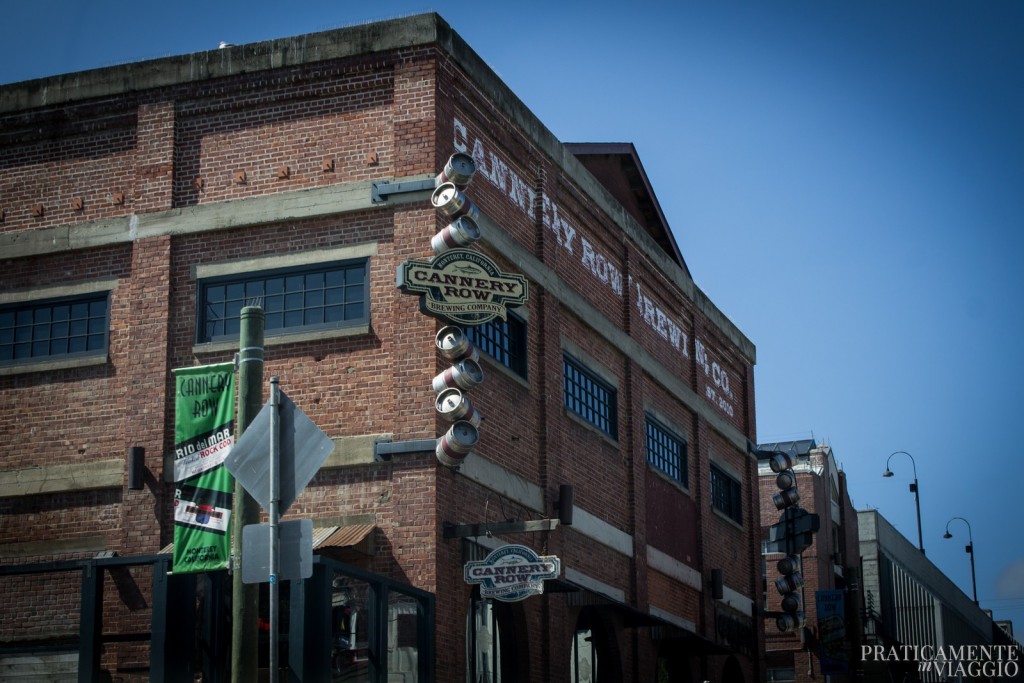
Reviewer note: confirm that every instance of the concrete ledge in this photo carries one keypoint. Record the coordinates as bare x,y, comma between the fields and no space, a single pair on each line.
673,568
220,63
269,340
47,366
354,450
594,586
486,472
86,544
224,215
739,602
84,476
592,526
671,618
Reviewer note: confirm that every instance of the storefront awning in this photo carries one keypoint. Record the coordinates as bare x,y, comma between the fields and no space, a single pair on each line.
359,537
579,596
356,536
689,640
631,617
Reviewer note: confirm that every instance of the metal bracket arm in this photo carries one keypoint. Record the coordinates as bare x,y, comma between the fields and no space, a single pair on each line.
382,189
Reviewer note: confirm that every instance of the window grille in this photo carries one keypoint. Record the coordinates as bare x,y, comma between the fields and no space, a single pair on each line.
303,299
53,329
590,397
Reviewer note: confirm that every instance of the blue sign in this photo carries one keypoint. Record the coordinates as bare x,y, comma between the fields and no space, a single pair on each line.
512,573
832,651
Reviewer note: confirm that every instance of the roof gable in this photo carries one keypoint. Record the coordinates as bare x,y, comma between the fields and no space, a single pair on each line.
616,165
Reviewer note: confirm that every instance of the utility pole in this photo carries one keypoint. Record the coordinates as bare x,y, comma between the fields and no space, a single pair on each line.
275,517
245,598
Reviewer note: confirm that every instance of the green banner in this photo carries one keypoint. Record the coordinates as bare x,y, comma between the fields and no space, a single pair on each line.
204,432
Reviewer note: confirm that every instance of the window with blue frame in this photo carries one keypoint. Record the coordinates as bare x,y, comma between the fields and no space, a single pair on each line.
300,299
666,451
590,397
55,329
502,340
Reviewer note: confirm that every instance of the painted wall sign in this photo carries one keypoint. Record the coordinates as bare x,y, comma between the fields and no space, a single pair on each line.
718,390
462,286
512,573
522,195
718,387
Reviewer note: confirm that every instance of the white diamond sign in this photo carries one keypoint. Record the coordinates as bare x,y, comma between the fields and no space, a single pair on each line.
303,449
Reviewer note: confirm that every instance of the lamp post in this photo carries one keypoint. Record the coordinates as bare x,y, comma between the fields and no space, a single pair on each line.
915,489
969,548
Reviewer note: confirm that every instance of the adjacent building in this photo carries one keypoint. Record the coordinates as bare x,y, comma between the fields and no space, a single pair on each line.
918,625
829,643
143,206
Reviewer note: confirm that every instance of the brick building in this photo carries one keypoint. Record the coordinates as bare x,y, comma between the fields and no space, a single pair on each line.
830,567
142,205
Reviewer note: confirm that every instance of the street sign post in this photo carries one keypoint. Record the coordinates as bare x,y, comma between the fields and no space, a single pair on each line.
303,449
274,460
296,551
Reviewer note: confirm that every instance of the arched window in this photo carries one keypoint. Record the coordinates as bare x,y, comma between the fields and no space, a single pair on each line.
732,672
594,656
672,664
583,665
490,641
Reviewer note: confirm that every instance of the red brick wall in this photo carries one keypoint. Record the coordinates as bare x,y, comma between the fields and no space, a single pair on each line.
67,417
49,158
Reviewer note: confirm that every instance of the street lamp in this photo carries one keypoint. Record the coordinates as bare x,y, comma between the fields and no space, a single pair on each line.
915,489
969,548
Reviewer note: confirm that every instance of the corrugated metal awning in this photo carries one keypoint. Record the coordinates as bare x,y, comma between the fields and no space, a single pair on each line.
347,536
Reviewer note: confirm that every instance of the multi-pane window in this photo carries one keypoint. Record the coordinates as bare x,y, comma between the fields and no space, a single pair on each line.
666,451
590,397
502,340
726,495
781,674
54,329
302,299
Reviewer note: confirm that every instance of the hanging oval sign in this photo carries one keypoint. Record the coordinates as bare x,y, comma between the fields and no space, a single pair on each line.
462,286
512,573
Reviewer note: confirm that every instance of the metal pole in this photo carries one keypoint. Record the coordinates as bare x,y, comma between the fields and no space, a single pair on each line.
970,551
245,598
274,515
914,488
917,502
974,584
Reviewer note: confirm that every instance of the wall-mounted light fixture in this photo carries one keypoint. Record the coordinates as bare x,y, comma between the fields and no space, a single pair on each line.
136,468
564,504
717,584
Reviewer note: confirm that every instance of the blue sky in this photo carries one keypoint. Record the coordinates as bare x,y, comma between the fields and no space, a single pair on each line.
845,181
